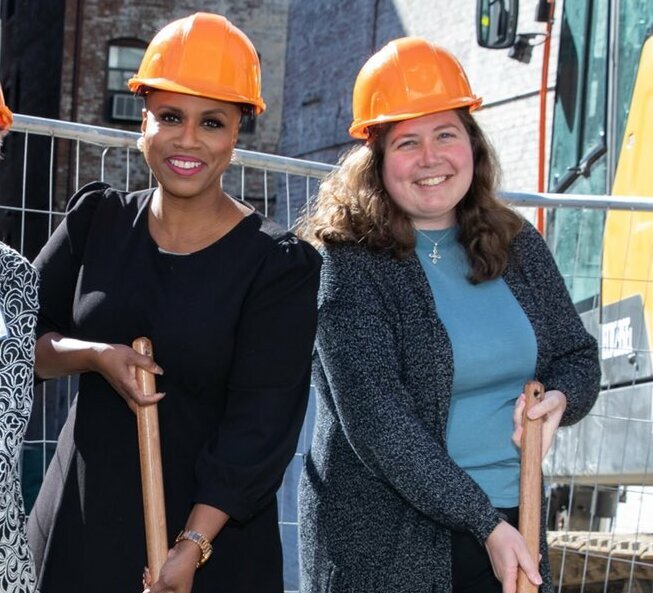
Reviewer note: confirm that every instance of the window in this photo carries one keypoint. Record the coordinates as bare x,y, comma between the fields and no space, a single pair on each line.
579,146
635,25
579,129
589,124
124,57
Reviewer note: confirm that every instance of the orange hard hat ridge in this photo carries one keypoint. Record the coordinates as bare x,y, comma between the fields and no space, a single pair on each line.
202,55
6,116
408,78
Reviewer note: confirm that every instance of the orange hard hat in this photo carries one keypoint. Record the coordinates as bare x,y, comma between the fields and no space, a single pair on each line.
202,55
6,116
408,78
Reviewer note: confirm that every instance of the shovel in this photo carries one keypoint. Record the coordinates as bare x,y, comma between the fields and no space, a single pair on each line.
530,483
151,474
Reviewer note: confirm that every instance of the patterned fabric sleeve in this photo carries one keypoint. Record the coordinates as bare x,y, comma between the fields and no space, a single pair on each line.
19,306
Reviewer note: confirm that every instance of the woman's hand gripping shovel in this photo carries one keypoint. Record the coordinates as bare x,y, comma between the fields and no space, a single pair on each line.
151,473
530,483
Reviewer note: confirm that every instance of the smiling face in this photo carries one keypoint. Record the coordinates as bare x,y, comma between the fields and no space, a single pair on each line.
428,166
188,142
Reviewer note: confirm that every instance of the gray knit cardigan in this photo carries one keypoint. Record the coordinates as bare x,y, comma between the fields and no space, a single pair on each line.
379,493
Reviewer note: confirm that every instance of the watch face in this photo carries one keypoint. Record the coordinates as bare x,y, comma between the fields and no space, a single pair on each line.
204,545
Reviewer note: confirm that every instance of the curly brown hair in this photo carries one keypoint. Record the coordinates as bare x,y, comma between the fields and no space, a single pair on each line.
353,206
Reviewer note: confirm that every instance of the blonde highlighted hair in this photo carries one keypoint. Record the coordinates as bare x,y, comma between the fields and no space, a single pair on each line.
353,206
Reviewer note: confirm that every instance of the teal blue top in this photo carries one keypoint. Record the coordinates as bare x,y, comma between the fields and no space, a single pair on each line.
494,353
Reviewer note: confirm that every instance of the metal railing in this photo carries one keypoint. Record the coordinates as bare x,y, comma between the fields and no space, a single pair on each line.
600,537
114,138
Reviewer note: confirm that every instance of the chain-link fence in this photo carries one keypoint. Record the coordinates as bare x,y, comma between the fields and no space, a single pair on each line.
598,476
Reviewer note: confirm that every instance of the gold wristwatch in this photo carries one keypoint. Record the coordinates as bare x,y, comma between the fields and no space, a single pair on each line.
203,543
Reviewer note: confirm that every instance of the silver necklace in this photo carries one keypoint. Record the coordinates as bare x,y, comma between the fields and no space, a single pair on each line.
435,254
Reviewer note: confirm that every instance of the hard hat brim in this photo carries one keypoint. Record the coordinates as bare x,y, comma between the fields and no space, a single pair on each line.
359,129
137,85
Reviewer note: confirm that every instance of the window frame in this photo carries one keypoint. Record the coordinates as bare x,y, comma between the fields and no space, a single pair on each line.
112,93
588,152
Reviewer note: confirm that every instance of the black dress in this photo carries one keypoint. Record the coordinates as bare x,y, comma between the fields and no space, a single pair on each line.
232,326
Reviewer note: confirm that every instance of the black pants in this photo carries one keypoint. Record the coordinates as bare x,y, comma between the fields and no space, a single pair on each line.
470,563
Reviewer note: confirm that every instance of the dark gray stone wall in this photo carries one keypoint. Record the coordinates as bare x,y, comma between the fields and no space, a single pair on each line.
30,69
328,42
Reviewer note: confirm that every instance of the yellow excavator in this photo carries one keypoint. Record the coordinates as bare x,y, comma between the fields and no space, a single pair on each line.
604,46
600,484
628,236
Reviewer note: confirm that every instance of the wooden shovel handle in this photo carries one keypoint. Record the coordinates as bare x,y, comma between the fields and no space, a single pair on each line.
530,482
151,473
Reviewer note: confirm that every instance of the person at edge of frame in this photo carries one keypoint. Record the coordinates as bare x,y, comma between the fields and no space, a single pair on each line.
229,301
18,311
437,303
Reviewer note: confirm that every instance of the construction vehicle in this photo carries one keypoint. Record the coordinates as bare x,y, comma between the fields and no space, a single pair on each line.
600,482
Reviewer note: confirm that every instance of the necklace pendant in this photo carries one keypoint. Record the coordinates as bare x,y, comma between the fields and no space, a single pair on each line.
435,256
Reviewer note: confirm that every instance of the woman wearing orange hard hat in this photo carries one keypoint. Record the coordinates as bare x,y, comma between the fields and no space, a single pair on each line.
437,304
18,309
215,286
